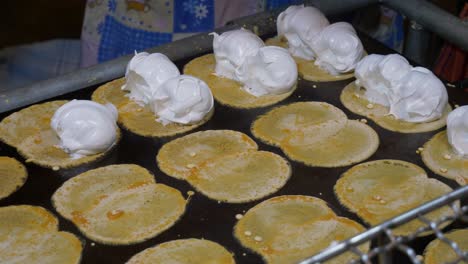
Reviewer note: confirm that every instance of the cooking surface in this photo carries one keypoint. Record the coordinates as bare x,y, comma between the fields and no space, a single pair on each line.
209,219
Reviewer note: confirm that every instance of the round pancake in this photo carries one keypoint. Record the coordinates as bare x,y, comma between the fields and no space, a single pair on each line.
13,175
307,68
179,156
354,100
27,122
41,149
353,143
277,124
287,229
29,234
184,251
226,91
138,119
29,131
439,156
379,190
241,177
119,204
439,252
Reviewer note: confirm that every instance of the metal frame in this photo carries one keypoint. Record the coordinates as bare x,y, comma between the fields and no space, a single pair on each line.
383,231
429,16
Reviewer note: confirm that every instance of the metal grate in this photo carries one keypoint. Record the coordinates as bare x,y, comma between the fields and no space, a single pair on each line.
387,241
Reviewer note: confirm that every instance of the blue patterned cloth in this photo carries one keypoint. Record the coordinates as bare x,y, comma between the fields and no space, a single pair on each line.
118,40
113,28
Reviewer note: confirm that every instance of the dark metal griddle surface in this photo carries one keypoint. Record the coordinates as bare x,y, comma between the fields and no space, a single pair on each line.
209,219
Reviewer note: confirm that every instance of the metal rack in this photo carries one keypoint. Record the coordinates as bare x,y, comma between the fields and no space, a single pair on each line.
387,241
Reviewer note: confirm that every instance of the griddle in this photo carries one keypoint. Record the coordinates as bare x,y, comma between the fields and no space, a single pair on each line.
208,219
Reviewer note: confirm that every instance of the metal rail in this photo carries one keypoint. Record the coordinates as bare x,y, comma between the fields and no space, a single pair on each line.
428,15
384,230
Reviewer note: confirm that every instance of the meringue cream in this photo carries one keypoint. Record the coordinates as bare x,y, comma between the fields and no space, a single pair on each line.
231,48
271,71
378,74
85,127
413,95
420,97
300,26
457,130
145,73
183,99
337,48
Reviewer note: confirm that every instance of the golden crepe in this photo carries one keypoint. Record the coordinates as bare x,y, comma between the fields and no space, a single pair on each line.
184,251
119,204
289,228
179,156
316,134
352,144
29,234
29,131
438,155
354,100
13,175
440,252
379,190
226,91
307,68
241,177
138,119
279,123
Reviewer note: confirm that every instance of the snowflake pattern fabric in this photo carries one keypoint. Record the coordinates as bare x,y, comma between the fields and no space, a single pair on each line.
114,28
193,16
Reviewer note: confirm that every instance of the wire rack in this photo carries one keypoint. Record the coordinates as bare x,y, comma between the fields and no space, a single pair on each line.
387,241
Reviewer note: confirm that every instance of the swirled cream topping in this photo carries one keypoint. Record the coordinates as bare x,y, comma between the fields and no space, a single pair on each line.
145,73
271,71
457,130
183,99
338,48
301,25
85,127
413,94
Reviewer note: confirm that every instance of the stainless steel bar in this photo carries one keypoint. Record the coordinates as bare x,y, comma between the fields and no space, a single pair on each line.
380,229
431,17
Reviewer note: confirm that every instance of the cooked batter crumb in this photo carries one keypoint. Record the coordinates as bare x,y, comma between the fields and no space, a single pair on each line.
363,120
444,170
447,156
370,106
190,193
190,166
420,149
239,216
314,86
258,238
247,233
55,168
93,244
192,154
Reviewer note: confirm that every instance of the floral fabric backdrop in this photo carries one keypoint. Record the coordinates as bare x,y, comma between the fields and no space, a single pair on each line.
113,28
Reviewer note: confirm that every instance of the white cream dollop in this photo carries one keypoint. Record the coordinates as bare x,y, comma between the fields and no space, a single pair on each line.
338,48
145,73
300,25
271,71
231,48
378,74
420,97
183,99
412,94
85,127
457,130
